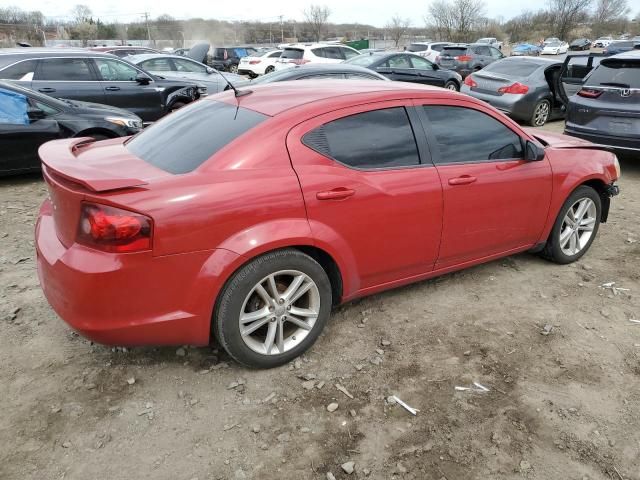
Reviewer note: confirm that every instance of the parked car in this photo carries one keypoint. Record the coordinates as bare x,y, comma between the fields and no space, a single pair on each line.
187,69
260,63
249,221
603,42
28,119
552,40
227,59
466,59
315,71
606,108
554,48
621,46
525,49
491,41
314,53
523,88
408,67
580,44
124,50
428,50
96,77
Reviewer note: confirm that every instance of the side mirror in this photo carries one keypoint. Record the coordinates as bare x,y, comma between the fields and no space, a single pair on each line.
435,66
211,70
533,152
142,79
35,114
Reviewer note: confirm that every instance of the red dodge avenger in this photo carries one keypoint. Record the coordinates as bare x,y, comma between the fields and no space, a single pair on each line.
247,218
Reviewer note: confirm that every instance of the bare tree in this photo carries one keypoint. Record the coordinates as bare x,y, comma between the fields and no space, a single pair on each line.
397,28
567,14
455,19
317,16
466,14
440,19
81,13
609,16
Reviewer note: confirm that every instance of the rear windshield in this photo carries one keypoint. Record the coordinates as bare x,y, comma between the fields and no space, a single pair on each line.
184,140
292,53
621,44
416,47
616,73
454,51
512,68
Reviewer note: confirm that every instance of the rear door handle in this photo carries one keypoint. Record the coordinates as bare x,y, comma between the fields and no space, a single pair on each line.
47,90
462,180
335,194
112,89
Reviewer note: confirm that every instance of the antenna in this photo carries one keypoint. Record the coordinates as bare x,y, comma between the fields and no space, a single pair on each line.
238,93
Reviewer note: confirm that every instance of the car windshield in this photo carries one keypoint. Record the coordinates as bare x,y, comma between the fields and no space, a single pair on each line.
454,51
417,47
616,72
553,44
512,69
363,60
181,142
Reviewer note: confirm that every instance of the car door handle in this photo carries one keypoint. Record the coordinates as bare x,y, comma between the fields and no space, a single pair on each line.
47,90
112,89
462,180
335,194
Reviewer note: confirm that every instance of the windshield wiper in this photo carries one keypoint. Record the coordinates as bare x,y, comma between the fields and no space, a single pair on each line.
615,84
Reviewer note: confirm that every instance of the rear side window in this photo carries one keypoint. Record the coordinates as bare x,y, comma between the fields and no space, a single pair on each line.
376,139
184,140
70,69
292,53
19,71
466,136
348,53
616,73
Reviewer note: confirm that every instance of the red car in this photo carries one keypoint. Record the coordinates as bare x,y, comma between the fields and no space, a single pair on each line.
247,218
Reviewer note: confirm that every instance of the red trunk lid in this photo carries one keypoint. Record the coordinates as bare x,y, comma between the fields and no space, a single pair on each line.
76,169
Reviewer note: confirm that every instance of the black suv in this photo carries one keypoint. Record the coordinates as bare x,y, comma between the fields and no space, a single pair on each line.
466,59
96,77
228,58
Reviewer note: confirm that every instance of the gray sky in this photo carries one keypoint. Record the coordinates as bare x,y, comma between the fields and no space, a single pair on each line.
361,11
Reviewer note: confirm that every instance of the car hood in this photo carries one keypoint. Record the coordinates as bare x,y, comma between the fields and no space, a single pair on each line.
199,52
558,140
78,107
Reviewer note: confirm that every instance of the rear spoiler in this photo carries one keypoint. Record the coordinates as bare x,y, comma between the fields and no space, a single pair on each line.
61,157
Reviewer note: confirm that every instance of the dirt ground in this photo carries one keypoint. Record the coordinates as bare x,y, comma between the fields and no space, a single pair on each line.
560,406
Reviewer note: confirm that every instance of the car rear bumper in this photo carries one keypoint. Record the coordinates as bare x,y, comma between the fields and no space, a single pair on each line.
620,143
127,299
516,106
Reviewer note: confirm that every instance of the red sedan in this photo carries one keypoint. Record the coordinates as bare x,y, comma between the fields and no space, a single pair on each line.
247,218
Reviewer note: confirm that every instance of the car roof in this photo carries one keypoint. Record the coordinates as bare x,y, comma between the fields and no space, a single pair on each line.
9,56
146,56
118,47
630,55
536,60
277,97
327,68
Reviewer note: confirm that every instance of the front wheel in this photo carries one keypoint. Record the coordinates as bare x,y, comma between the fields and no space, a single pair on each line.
269,69
451,85
541,113
576,226
273,309
233,68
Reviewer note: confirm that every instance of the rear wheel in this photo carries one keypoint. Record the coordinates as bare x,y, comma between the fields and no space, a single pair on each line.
576,226
451,85
273,309
233,68
269,69
541,113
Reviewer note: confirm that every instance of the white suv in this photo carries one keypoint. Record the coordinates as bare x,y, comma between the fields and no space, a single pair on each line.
428,50
301,54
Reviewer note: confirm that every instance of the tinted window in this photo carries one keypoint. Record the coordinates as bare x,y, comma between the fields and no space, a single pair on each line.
617,73
333,53
361,76
416,47
293,53
482,50
115,71
187,66
376,139
466,135
437,47
156,64
219,53
364,60
512,69
20,71
421,63
182,141
495,53
455,51
64,69
275,55
399,61
348,53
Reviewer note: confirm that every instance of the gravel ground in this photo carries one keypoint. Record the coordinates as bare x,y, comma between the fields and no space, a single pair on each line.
559,406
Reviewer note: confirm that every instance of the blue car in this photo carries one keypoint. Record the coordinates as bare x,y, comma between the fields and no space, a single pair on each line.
527,49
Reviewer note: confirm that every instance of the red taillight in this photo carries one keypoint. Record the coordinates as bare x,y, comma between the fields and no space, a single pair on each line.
113,229
470,82
254,62
516,88
463,58
299,61
589,93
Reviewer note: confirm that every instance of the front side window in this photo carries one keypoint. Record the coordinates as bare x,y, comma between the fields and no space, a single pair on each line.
421,63
187,66
20,71
465,135
369,140
115,71
495,53
399,61
64,69
157,65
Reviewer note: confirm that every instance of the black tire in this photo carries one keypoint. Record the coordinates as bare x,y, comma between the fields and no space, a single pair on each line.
536,119
269,69
451,85
226,326
233,68
176,106
552,250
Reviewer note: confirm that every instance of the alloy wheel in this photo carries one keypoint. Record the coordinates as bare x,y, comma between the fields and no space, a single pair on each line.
541,114
577,226
279,312
452,87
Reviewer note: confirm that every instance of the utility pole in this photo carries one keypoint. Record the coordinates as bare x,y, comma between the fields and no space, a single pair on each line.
146,19
281,28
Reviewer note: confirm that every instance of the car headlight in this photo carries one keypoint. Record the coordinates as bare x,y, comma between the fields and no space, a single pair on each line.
125,122
616,165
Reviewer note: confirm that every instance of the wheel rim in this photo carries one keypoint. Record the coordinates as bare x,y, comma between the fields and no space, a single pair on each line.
451,86
233,69
541,114
279,312
577,226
